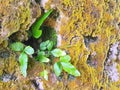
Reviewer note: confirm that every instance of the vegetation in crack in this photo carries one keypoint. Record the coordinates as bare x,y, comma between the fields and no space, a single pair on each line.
46,53
36,32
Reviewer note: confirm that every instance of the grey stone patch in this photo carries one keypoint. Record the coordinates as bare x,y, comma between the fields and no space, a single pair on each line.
4,54
6,77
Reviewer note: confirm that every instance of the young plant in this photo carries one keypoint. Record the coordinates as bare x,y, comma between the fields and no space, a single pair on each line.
46,51
43,55
23,58
36,26
63,63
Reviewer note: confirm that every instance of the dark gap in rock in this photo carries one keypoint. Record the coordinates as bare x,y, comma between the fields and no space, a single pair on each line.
71,77
89,39
49,33
91,62
32,42
37,1
60,77
119,24
37,84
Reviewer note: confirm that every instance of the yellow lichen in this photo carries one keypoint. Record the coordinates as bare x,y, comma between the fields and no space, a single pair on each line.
95,18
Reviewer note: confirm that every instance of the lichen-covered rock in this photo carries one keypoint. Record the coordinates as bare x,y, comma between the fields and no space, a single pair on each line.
86,29
89,30
17,15
11,77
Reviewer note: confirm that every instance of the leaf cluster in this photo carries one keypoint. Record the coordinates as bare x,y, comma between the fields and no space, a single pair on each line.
23,58
46,50
44,53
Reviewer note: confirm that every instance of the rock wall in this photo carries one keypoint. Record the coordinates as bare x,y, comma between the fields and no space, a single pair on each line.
89,30
17,15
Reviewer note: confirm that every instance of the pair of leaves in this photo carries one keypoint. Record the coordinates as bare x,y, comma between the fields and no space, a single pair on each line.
44,51
23,58
18,46
47,45
36,26
66,66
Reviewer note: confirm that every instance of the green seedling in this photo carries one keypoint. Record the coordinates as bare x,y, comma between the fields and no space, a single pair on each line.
23,58
64,59
64,63
44,51
36,26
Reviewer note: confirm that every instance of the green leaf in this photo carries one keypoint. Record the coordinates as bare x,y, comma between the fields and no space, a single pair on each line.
36,26
44,59
44,74
23,59
41,53
36,33
43,45
57,68
17,46
50,45
70,69
29,50
23,69
58,52
40,21
65,58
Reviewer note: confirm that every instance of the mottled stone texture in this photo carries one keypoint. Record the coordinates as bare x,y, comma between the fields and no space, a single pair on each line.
16,15
89,30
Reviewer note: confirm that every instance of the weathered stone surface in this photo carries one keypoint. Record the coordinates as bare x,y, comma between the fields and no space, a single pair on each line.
10,75
89,30
17,15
